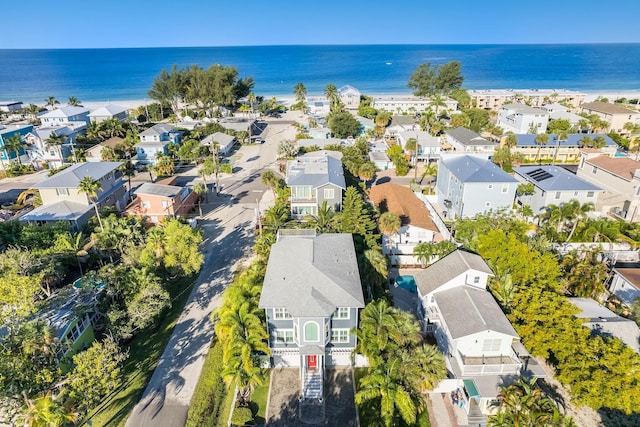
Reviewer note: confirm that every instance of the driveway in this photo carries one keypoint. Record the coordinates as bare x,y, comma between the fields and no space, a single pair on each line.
229,231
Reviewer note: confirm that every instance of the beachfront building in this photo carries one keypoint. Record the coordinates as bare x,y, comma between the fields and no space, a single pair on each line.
318,106
616,115
427,147
558,150
221,142
619,177
408,104
64,116
315,178
108,112
469,185
625,284
311,297
8,132
62,200
349,96
417,226
160,200
554,186
494,99
520,118
481,348
10,106
463,140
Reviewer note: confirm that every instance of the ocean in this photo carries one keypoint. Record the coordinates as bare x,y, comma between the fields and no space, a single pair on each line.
127,74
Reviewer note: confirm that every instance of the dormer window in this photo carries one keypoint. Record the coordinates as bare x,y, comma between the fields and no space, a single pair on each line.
281,313
341,313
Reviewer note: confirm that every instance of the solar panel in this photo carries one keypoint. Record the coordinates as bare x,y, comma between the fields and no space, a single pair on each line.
539,175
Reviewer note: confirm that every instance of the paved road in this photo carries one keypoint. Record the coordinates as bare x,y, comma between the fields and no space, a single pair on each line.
229,235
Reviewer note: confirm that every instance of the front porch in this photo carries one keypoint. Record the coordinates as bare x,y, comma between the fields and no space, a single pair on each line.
312,365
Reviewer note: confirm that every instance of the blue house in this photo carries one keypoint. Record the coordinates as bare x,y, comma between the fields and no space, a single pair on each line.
8,131
156,140
469,185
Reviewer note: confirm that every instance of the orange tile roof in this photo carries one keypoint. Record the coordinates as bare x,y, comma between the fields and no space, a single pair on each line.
402,202
624,167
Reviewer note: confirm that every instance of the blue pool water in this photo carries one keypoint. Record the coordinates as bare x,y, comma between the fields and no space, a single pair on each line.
408,283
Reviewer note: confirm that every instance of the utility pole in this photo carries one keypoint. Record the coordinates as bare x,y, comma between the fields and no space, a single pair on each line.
259,215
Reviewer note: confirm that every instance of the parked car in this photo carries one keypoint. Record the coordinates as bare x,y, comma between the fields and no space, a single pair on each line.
259,141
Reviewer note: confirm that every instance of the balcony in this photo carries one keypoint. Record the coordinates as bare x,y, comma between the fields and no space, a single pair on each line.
490,365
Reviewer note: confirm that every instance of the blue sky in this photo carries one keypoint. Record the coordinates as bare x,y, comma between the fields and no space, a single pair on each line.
147,23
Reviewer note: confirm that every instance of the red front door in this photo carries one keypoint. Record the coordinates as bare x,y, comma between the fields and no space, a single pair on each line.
312,362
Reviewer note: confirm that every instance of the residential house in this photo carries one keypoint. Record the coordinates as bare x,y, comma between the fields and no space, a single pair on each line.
606,323
625,284
554,186
320,143
619,177
401,124
480,345
417,226
10,106
615,115
65,115
62,200
108,112
155,141
42,154
520,118
380,160
162,199
241,124
366,125
427,147
349,96
465,140
315,178
470,185
410,104
560,112
94,154
378,146
558,150
8,131
221,140
311,296
494,99
318,106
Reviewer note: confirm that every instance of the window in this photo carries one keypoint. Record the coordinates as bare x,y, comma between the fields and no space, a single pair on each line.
301,192
487,204
594,170
505,188
165,204
491,345
476,279
146,204
311,331
490,186
340,335
284,336
590,193
281,313
557,195
575,193
62,191
341,313
329,193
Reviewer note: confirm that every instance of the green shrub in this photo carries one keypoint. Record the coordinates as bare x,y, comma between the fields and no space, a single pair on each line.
226,168
241,416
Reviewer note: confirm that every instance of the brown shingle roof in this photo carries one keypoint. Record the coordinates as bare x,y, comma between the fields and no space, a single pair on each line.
632,275
624,167
402,202
607,108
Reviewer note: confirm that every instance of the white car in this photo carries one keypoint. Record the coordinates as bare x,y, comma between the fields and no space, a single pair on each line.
259,141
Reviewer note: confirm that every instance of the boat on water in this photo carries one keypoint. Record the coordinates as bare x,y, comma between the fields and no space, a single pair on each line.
389,63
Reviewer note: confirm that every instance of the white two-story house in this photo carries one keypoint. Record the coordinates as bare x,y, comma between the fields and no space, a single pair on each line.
311,297
463,140
520,118
427,147
315,178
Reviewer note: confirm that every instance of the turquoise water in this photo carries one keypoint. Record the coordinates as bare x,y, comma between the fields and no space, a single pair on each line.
121,74
408,283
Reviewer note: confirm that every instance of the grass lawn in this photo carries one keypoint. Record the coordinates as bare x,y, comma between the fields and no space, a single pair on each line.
144,353
259,400
370,414
225,410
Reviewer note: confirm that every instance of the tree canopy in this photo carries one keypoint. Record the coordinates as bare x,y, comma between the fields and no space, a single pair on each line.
430,80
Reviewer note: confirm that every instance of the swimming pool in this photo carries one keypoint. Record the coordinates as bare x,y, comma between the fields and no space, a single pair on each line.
408,283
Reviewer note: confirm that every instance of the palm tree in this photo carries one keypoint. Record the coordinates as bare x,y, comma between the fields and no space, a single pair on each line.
200,189
51,101
300,91
366,171
389,223
576,212
585,141
276,216
332,94
384,383
541,139
74,102
325,220
424,252
91,187
423,367
562,135
510,140
47,411
599,141
56,141
438,100
430,170
14,143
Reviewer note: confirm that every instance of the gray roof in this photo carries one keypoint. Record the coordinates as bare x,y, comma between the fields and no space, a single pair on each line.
423,138
64,112
71,177
403,120
108,110
554,178
312,275
475,169
221,138
316,171
524,109
378,156
467,310
467,137
59,211
320,142
157,129
447,268
159,190
606,323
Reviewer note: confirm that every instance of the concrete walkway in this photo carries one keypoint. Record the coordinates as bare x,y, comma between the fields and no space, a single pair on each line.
440,411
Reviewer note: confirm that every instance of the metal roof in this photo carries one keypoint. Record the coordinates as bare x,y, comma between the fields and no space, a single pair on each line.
315,171
475,169
58,211
71,177
160,190
467,137
554,178
529,140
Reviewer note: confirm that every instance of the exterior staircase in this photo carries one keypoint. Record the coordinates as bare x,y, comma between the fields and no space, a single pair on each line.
312,386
